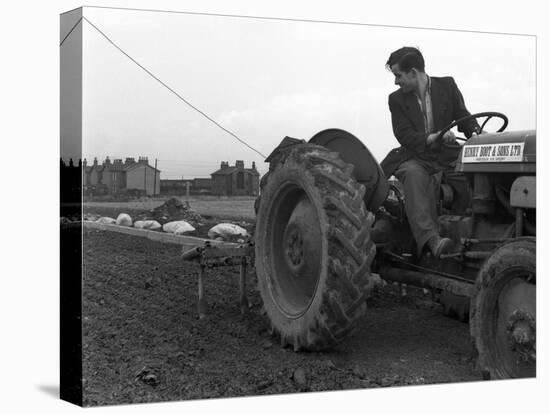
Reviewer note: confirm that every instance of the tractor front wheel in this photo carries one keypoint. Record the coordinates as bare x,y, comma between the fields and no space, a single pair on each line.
503,312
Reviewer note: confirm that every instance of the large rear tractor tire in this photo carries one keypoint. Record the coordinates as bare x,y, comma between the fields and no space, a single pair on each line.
503,312
313,247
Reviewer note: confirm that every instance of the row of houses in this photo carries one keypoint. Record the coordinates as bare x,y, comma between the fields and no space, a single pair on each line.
236,180
133,177
117,177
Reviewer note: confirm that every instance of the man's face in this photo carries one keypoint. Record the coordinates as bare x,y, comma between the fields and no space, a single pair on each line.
407,81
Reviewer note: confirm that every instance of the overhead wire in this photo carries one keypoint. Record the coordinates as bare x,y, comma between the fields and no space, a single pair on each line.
298,20
163,84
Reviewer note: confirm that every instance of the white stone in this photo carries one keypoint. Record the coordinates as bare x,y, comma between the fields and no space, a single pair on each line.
106,220
124,219
178,227
147,224
226,231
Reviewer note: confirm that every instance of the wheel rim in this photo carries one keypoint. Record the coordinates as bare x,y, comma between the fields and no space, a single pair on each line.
515,326
295,241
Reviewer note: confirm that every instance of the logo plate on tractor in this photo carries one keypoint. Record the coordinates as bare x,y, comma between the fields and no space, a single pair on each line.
506,152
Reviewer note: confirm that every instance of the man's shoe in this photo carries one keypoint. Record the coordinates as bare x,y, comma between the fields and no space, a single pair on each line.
439,245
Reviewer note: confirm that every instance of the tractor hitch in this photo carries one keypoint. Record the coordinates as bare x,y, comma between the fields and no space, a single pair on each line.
210,256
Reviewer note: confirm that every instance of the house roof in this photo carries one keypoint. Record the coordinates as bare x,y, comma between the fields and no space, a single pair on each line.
117,167
98,167
231,170
137,164
224,171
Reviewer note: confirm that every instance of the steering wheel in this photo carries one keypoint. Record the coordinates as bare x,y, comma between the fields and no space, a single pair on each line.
487,115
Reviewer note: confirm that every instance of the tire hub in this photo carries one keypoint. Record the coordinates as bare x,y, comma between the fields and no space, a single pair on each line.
522,335
516,329
294,248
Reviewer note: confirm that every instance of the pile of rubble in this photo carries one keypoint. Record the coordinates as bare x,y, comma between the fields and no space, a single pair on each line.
172,210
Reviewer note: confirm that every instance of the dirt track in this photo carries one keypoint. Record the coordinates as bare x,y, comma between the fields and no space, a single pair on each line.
143,341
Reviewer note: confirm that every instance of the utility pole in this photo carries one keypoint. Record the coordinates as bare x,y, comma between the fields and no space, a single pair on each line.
155,180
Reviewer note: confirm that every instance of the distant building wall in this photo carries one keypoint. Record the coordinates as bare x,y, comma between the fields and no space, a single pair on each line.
198,186
143,177
236,180
202,184
107,179
94,176
220,184
175,187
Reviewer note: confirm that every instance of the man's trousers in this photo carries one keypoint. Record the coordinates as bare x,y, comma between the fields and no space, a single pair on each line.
421,181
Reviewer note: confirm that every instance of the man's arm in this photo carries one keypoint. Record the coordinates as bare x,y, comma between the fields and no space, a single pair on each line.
404,130
460,111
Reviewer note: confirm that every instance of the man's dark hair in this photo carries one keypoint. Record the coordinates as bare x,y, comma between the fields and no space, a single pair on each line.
407,58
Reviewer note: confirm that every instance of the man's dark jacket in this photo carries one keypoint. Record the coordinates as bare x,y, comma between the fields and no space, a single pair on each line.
408,123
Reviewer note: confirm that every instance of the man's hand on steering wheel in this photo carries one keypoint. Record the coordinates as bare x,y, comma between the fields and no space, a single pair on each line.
486,115
447,138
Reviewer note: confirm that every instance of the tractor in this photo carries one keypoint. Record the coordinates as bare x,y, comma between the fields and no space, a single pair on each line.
328,221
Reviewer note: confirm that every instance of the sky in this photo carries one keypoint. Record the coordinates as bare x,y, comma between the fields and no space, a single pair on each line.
267,79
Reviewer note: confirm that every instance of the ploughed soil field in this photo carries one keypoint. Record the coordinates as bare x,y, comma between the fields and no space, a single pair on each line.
143,341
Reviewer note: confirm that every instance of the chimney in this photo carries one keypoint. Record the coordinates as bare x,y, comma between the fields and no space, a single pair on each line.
222,165
143,160
239,164
129,161
117,164
107,161
95,161
85,163
253,165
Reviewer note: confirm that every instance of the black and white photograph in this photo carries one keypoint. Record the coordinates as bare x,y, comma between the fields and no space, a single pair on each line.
267,212
293,206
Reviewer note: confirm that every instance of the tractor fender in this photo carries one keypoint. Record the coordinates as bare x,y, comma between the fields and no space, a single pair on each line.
367,170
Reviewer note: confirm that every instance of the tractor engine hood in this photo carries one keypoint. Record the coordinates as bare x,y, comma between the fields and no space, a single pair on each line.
502,152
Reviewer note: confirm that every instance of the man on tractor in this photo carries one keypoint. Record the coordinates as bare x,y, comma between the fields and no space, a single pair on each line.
421,107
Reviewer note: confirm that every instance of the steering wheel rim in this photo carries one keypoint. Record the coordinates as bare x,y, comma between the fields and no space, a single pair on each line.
487,115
